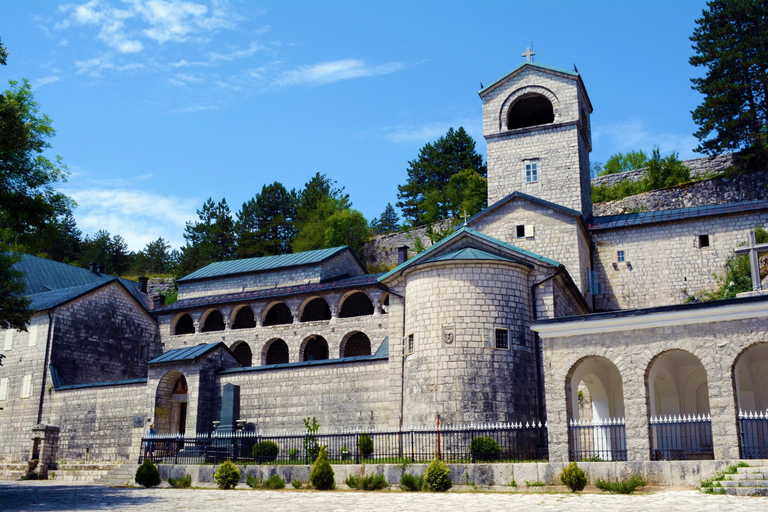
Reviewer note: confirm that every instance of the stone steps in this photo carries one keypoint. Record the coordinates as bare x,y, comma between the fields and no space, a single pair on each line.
121,475
748,481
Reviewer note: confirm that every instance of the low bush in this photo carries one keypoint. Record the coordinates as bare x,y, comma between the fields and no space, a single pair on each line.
147,475
321,477
535,483
296,484
626,486
227,476
437,477
181,483
252,482
367,482
484,448
411,483
293,453
274,482
573,477
265,451
365,445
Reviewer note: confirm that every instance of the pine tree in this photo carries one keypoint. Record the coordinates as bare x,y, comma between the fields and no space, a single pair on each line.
316,204
388,222
265,224
729,41
210,239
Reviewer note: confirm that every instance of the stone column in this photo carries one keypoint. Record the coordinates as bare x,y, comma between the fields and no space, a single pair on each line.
45,447
725,432
636,414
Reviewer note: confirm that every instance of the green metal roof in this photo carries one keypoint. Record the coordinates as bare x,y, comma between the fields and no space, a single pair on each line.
469,253
249,265
186,353
533,64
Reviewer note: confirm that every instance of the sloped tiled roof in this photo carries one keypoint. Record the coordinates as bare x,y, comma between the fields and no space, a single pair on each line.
250,265
186,353
469,253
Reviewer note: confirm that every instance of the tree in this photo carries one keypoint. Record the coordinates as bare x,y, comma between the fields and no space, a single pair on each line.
110,252
388,222
210,239
65,244
729,41
665,172
316,204
347,227
621,162
155,258
423,198
265,224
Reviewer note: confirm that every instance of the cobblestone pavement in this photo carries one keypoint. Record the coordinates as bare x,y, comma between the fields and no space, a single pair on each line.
61,497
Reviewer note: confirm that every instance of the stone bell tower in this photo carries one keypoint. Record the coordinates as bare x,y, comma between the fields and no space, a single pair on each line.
536,123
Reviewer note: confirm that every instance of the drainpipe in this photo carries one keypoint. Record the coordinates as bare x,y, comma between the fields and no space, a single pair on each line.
45,368
537,342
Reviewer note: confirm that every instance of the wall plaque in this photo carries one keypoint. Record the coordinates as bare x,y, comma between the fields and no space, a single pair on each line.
449,333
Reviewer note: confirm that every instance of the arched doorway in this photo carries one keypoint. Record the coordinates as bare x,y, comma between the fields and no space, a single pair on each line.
278,314
244,319
171,401
213,322
184,325
678,407
242,353
750,382
596,411
276,352
357,304
315,349
355,344
314,310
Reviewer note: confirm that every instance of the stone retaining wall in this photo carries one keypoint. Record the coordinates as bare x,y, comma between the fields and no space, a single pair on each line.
698,167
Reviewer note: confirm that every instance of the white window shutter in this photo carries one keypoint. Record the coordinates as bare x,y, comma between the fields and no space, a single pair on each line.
528,230
8,345
615,256
26,386
32,331
4,389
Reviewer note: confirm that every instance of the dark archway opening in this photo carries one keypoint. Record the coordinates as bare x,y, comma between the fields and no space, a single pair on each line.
214,322
530,111
244,319
357,345
316,349
317,309
357,304
278,314
185,325
243,354
277,353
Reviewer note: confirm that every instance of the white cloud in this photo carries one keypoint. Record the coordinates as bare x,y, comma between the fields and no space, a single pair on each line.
634,134
181,80
237,54
45,81
196,108
96,65
138,216
334,71
432,131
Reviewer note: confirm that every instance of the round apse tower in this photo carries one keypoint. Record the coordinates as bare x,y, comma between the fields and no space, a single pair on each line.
469,355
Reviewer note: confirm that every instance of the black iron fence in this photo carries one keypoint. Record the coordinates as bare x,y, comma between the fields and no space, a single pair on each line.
681,438
597,440
753,429
507,442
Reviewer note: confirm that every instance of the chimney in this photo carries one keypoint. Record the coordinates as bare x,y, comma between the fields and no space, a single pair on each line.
402,254
93,267
143,284
98,269
158,301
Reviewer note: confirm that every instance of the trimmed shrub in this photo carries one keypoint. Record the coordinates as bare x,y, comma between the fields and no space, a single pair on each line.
147,475
265,451
573,477
274,482
296,484
411,483
367,483
627,486
293,453
227,476
437,477
181,483
365,445
321,477
485,448
252,482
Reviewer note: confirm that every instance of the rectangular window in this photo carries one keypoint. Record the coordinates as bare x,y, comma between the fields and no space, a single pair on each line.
703,241
532,171
32,330
620,256
26,386
4,388
502,339
8,345
410,343
142,352
520,231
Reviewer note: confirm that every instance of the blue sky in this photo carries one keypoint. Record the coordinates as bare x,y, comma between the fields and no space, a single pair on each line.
159,104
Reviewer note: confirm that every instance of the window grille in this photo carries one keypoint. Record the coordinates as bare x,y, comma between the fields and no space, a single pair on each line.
502,339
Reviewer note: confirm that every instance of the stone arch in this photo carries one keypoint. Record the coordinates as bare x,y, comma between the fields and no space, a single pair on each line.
314,309
242,352
355,343
275,351
750,378
524,93
355,303
601,383
213,320
384,303
313,348
277,313
243,318
171,399
676,384
183,324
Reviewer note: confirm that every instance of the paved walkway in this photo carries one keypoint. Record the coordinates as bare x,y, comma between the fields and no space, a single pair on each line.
59,497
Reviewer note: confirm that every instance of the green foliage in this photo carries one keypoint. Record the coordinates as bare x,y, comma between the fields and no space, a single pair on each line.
437,477
274,482
729,43
293,453
155,258
227,476
110,252
3,54
347,227
365,445
573,477
14,312
296,484
265,451
411,483
311,445
625,486
484,448
621,162
181,483
429,195
513,483
171,297
252,482
265,224
536,483
147,475
210,239
622,189
367,482
321,477
388,222
316,204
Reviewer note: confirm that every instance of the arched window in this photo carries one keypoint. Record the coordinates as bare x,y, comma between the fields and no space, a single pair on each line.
278,314
171,398
315,348
277,352
214,322
530,110
244,319
184,325
356,344
750,380
242,353
357,304
316,309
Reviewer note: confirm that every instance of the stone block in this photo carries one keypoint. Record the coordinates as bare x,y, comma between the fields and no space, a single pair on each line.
658,473
480,474
549,472
525,472
206,474
458,473
685,472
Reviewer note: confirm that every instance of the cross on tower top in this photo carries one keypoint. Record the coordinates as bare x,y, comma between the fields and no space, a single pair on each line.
528,54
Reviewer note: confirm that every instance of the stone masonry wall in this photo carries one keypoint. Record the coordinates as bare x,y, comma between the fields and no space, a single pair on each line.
665,265
382,249
715,344
698,167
